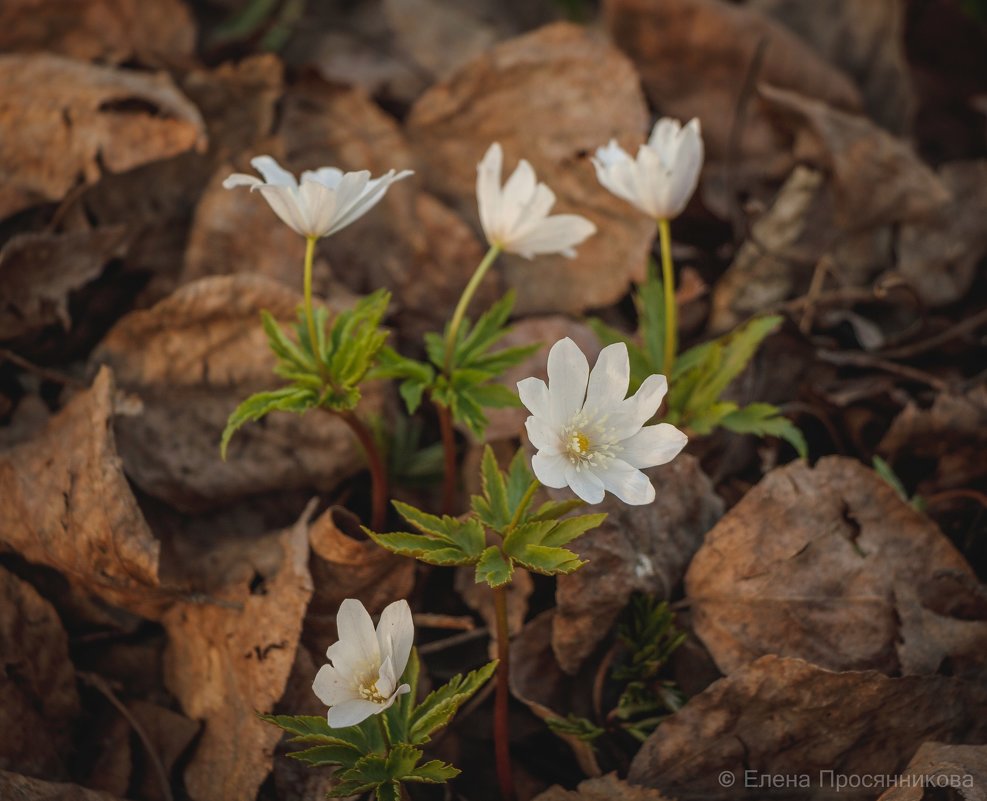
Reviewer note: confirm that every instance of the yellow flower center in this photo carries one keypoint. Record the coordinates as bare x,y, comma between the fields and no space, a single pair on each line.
369,692
579,443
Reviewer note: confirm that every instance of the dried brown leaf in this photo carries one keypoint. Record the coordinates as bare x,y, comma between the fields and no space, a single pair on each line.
66,120
67,504
552,97
637,549
170,734
227,662
939,255
787,717
191,359
944,765
865,40
39,270
605,788
694,57
877,178
828,564
38,698
109,31
22,788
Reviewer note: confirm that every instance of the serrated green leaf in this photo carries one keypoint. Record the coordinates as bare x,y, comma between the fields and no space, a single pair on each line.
315,729
704,420
345,755
286,399
519,478
435,349
434,772
466,410
545,560
493,568
441,705
423,548
552,510
496,512
388,791
504,359
565,531
764,419
488,329
284,348
494,396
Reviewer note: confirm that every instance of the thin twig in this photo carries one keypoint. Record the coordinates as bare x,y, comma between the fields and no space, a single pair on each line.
856,359
44,372
952,495
98,683
967,326
431,621
453,641
819,274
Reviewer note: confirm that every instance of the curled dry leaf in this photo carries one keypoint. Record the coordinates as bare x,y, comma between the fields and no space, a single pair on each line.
502,96
939,255
965,766
170,735
828,564
39,270
67,504
424,253
113,31
345,563
225,662
865,40
95,118
786,717
637,549
604,788
23,788
191,359
951,435
539,682
38,698
694,57
786,246
877,178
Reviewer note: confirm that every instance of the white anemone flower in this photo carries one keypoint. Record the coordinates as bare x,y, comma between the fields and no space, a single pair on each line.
515,217
588,435
366,664
665,173
325,201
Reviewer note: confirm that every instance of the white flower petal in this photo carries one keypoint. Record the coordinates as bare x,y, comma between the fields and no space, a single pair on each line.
550,469
542,435
626,482
519,189
608,381
284,200
488,173
533,393
663,138
534,211
371,195
386,680
396,635
357,639
568,372
557,234
241,179
329,177
653,445
333,687
320,201
639,408
586,484
274,174
350,713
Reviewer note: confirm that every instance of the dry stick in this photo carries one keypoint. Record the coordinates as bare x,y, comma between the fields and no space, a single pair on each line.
378,473
97,683
453,641
853,359
43,372
449,473
811,298
427,620
502,745
967,326
951,495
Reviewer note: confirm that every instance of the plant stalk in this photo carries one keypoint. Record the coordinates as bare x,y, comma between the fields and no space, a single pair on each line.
464,302
449,474
378,473
668,285
309,313
502,743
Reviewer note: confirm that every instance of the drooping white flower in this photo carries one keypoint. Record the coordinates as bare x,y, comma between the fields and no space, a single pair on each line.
515,217
588,435
366,664
665,173
327,199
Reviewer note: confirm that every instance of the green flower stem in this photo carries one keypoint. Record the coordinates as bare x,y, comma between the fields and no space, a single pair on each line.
668,285
464,302
449,451
383,731
502,742
309,314
378,473
525,500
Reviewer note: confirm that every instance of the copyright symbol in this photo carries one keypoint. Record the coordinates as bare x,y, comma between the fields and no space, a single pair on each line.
727,779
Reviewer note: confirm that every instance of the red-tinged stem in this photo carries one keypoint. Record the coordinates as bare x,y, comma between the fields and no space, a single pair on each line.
378,473
451,472
502,742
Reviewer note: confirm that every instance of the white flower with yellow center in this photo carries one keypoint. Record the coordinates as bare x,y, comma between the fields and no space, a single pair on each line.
366,663
515,217
323,202
588,435
665,173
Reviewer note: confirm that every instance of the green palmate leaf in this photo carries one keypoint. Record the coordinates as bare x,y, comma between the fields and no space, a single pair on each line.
434,772
441,705
493,568
321,755
423,548
505,358
492,508
574,726
766,420
442,541
417,376
537,544
488,330
384,774
552,510
286,399
546,560
284,348
315,730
